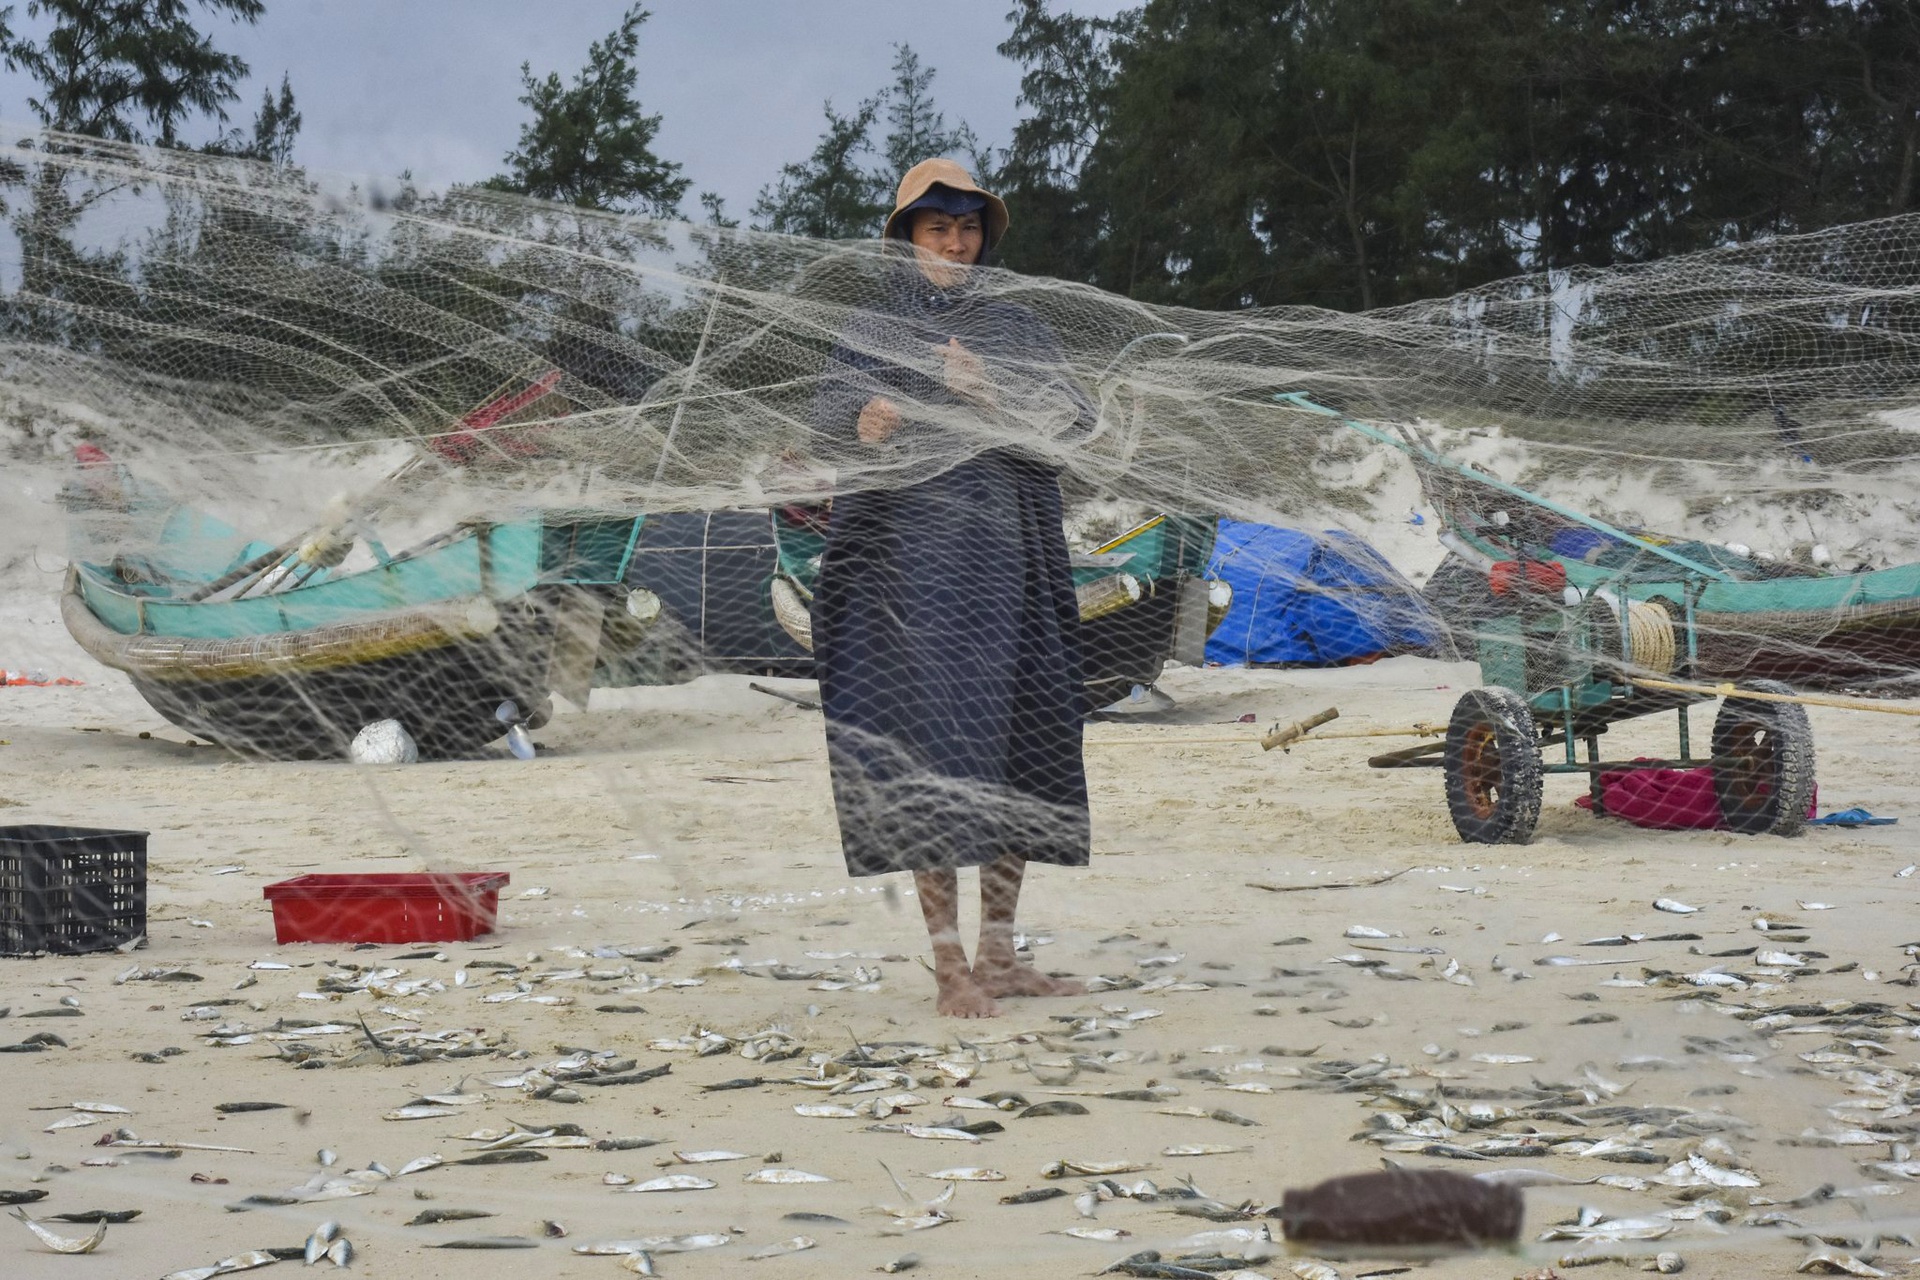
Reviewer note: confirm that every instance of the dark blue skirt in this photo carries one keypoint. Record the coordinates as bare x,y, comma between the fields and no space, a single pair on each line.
944,624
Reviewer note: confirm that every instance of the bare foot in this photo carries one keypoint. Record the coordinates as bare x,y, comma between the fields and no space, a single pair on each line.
1010,976
960,996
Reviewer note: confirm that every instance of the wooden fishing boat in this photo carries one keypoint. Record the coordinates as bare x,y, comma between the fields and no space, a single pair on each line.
441,637
1805,625
1145,598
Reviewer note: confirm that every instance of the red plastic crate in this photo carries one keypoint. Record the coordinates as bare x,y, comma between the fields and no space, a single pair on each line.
408,907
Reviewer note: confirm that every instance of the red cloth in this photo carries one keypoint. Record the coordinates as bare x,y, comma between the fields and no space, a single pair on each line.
1664,799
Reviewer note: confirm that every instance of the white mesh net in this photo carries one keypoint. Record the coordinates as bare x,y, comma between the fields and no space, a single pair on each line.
352,474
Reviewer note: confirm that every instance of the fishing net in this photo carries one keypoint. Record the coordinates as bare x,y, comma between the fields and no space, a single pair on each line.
331,471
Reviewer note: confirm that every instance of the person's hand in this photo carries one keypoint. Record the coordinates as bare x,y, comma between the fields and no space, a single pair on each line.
878,420
966,375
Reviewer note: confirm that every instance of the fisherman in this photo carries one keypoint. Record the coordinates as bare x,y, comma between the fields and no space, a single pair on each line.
944,618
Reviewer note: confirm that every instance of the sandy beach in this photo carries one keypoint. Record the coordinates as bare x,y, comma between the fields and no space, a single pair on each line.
673,856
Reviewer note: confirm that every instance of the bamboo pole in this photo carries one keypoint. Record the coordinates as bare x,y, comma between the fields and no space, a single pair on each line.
1726,689
1421,730
1280,736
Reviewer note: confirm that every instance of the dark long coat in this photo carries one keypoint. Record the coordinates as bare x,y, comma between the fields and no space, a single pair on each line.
944,618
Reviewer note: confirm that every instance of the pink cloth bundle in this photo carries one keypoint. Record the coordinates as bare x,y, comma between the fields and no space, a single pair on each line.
1665,799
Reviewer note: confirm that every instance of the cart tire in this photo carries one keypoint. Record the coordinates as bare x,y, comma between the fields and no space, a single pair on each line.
1771,786
1493,767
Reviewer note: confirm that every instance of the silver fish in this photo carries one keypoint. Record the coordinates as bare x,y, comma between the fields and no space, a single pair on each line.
1698,1171
1610,1230
73,1122
419,1165
654,1244
905,1262
340,1252
674,1182
1677,908
826,1111
1826,1261
709,1157
238,1262
419,1113
797,1244
1105,1235
938,1133
1531,1178
785,1177
1089,1168
1200,1149
967,1173
63,1244
323,1235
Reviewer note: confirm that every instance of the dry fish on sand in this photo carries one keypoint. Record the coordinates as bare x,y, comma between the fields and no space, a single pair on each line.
709,1157
1201,1149
490,1242
1311,1269
63,1244
1831,1262
797,1244
968,1173
674,1182
317,1243
226,1266
1090,1168
654,1244
785,1177
937,1133
1698,1171
428,1217
518,1155
1104,1235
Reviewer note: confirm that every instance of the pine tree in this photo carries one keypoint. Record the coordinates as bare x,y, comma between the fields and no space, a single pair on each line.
275,126
127,70
588,143
831,195
917,130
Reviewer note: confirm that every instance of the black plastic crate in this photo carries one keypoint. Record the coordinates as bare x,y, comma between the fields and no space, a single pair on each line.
71,890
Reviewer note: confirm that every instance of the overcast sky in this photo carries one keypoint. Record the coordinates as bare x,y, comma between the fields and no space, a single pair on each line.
432,85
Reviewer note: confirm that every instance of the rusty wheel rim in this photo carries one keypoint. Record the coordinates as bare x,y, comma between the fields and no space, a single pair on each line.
1747,766
1480,770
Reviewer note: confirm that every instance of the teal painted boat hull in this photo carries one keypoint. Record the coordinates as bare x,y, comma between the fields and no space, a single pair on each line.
1811,631
438,639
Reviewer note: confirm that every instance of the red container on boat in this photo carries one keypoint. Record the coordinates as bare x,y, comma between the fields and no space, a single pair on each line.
1536,577
412,907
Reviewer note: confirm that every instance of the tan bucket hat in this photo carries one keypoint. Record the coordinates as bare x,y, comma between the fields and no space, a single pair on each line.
924,176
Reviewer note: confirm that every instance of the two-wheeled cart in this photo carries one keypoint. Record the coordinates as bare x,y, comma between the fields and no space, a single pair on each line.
1560,667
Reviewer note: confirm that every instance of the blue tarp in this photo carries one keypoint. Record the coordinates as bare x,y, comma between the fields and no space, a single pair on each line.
1314,598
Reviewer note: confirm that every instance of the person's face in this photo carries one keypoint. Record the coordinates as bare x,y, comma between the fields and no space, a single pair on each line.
946,244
